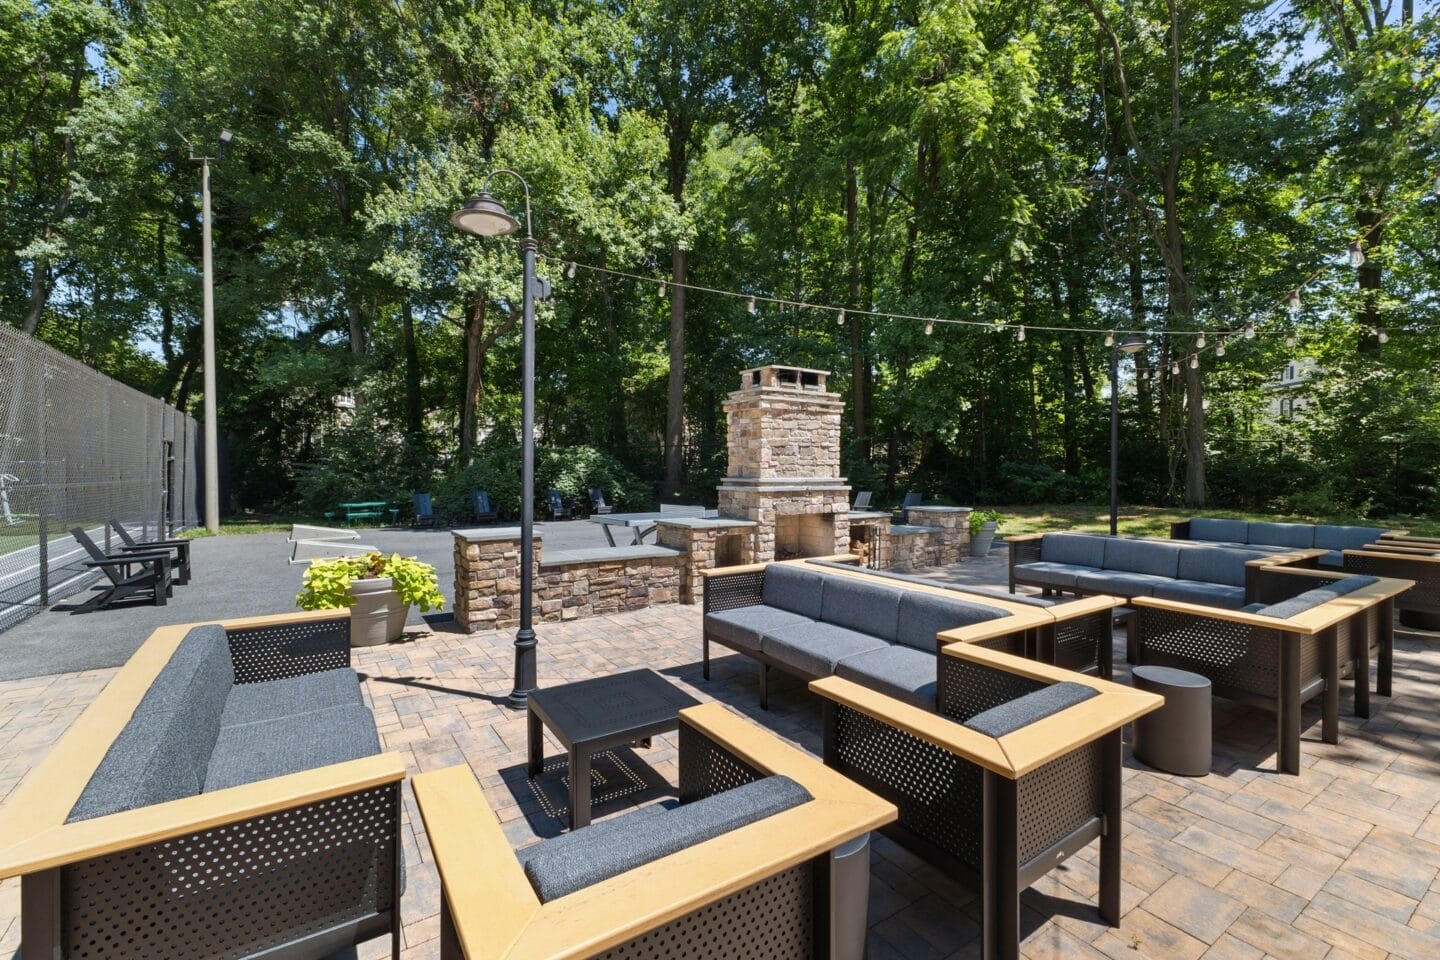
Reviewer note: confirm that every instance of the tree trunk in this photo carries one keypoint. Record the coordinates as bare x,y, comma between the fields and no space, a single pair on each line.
474,376
675,389
858,366
414,409
1368,277
619,434
40,280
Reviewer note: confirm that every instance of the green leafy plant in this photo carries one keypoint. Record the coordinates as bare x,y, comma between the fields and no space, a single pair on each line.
978,519
327,582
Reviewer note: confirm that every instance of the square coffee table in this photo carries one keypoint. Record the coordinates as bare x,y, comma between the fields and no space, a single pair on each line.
592,716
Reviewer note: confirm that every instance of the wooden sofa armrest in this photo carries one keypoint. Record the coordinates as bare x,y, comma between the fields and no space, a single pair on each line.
731,571
1084,607
1020,620
65,843
1023,537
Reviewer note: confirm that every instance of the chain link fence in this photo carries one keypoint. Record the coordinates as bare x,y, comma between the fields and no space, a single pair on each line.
78,449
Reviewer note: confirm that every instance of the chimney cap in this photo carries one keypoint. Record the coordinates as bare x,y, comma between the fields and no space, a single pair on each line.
776,376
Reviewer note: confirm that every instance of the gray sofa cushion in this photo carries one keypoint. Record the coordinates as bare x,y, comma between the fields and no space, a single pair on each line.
1023,711
1334,559
1329,536
898,671
1077,548
968,590
860,605
1293,535
291,696
1118,583
742,627
813,649
923,615
1313,598
794,589
1143,556
251,752
1216,564
1210,528
581,858
1196,591
1062,575
163,750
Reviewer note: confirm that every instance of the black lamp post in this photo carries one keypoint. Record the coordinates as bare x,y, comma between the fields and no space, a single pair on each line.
1132,344
484,216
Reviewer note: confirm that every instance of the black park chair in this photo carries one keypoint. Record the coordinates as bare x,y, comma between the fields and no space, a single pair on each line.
179,562
597,502
912,499
862,500
424,510
556,505
128,573
480,503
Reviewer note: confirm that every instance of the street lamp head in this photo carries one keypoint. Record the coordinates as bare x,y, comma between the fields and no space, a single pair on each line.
484,216
225,137
1133,343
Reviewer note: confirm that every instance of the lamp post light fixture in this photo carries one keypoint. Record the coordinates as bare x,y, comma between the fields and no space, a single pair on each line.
212,454
484,216
1132,344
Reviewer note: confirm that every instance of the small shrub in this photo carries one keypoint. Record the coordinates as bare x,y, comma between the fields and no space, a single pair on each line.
327,583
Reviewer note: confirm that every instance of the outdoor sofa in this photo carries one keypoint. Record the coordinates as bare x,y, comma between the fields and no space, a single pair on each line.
1015,768
1419,607
766,855
1330,538
225,795
812,624
1305,630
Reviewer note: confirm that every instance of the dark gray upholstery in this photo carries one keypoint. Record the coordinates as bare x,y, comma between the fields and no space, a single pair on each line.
794,589
1195,591
250,752
1333,537
968,589
905,673
1333,558
1253,607
1216,564
1118,583
1025,710
813,649
1295,535
249,702
1081,549
1313,598
742,627
860,605
1142,556
1061,575
923,615
592,854
163,751
1211,528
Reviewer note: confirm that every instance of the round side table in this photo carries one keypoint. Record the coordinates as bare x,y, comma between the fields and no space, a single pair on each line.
1175,738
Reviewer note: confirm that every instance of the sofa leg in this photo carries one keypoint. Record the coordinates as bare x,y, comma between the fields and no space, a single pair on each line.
1110,851
40,913
764,687
1000,936
1287,706
849,870
1386,659
705,656
1330,704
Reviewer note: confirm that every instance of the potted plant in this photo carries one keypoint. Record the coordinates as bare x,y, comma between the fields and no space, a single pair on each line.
982,531
378,590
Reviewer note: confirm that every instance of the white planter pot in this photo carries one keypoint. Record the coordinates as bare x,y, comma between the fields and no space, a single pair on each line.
377,615
980,542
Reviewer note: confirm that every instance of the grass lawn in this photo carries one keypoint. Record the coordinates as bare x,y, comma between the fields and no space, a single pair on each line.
1155,521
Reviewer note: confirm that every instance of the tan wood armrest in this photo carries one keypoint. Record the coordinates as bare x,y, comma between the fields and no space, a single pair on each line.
1026,619
743,568
1023,537
275,619
1033,669
1406,547
1084,606
1400,554
1218,613
1306,623
86,839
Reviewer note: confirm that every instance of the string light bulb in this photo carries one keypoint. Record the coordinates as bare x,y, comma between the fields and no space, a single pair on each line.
1292,302
1175,368
1194,361
840,319
1110,339
750,305
1200,342
1020,333
1289,339
1220,347
930,327
1356,255
570,270
1249,329
662,289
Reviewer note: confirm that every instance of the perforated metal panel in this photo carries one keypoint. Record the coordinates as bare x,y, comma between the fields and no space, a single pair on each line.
707,767
1078,640
289,650
733,590
1423,597
770,920
236,890
968,688
1059,797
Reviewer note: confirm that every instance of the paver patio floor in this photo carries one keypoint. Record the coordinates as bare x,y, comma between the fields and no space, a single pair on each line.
1339,862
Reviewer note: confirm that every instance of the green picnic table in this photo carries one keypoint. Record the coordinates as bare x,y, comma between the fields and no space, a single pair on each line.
363,510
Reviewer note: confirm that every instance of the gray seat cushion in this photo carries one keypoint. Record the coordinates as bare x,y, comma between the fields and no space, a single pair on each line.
1211,528
813,649
590,855
1314,598
291,696
1049,574
1118,583
742,627
923,615
251,752
1143,556
1334,559
861,605
905,673
1329,536
1025,710
1195,591
794,589
1077,548
163,750
1216,564
1293,535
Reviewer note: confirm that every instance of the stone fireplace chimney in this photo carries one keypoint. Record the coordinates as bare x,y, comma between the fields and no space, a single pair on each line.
783,436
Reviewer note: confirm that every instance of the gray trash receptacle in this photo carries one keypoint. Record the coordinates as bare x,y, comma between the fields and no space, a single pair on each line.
1175,738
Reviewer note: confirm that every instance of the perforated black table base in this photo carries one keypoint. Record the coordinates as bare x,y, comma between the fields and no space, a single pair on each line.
592,716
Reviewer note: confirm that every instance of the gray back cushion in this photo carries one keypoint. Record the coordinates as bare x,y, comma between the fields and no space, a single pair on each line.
923,615
1078,548
1329,536
1297,535
1227,531
866,607
793,589
581,858
1025,710
164,749
1216,564
1143,556
1313,598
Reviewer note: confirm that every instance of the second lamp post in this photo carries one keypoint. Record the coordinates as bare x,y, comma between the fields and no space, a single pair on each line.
1132,344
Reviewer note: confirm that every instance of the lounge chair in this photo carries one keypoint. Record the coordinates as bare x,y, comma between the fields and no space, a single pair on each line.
597,502
901,513
128,573
556,505
180,563
862,500
424,510
480,504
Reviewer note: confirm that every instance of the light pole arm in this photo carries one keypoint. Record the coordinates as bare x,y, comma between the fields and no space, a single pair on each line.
485,188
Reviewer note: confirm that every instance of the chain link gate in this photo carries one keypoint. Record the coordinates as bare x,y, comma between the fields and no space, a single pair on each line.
78,449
